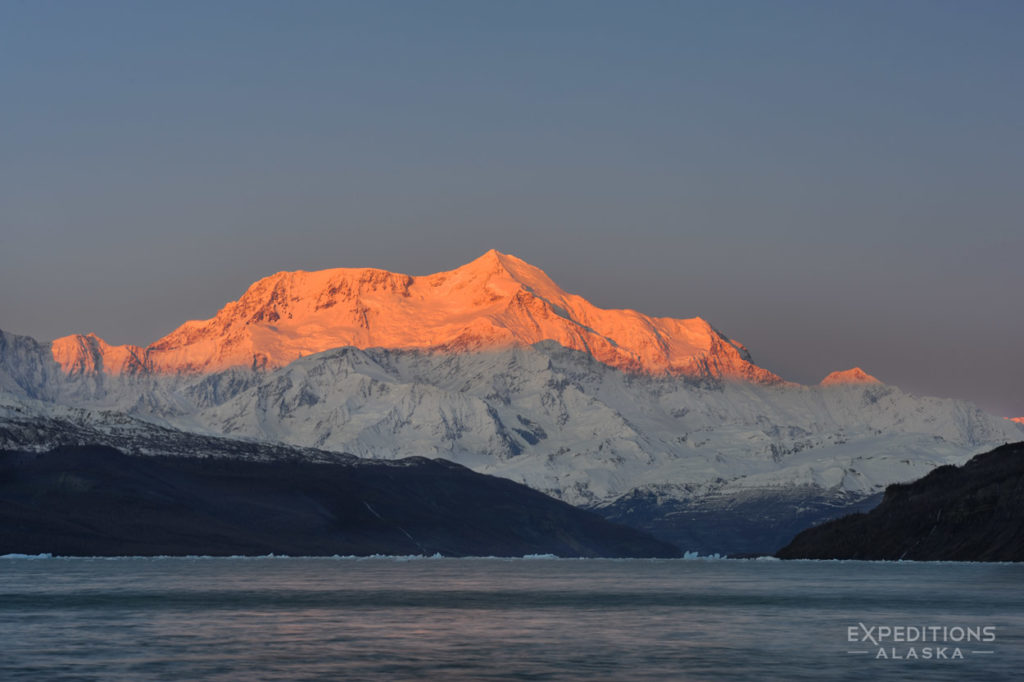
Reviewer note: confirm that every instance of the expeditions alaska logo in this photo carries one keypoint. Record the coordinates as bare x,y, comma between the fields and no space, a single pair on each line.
925,642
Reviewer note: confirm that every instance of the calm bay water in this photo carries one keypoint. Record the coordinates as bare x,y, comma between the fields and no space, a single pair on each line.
532,619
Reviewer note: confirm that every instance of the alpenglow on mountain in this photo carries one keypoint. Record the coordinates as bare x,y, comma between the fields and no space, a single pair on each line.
496,301
659,423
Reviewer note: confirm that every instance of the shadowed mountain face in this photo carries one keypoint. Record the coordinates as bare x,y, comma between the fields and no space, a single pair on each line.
969,513
96,501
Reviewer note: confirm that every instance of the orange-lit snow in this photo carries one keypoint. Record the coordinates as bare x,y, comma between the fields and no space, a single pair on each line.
849,376
496,301
87,353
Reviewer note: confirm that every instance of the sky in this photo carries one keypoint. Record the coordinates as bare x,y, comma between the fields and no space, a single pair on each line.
831,183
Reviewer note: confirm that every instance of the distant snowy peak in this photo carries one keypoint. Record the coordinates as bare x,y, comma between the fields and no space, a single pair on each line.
496,301
849,376
88,354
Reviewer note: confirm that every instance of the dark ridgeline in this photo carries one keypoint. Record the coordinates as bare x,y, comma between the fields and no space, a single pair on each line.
95,500
969,513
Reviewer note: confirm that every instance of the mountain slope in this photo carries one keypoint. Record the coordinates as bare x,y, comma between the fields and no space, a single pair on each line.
497,301
750,463
562,422
971,513
90,500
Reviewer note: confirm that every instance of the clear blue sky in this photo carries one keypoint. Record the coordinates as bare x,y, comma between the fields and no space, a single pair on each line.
832,183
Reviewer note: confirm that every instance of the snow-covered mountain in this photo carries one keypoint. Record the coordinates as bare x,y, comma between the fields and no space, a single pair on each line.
493,366
496,301
36,426
849,376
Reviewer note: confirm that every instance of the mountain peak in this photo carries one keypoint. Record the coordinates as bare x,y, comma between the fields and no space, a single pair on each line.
88,354
495,301
505,271
849,376
491,261
490,256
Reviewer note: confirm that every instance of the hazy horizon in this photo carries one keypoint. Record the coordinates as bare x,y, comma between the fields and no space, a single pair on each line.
833,185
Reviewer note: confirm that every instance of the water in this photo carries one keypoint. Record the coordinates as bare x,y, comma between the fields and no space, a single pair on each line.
481,619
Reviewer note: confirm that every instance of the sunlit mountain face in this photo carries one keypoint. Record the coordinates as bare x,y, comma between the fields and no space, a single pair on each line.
850,376
497,301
